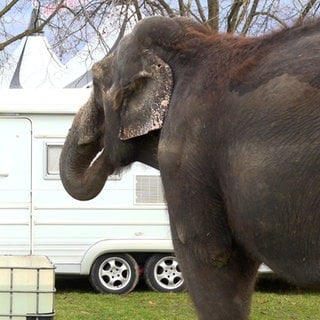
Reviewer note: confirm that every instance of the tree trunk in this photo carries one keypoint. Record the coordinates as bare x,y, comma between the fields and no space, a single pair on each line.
213,14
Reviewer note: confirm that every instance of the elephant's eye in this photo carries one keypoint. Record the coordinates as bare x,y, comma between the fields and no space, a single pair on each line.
122,95
134,86
118,99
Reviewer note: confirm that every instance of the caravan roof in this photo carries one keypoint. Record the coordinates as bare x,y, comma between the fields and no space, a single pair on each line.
27,101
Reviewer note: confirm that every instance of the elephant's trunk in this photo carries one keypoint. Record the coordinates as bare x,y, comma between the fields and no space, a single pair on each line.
83,172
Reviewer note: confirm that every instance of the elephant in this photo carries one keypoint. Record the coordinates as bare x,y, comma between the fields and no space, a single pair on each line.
233,125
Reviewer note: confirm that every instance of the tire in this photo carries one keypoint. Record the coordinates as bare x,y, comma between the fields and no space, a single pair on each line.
114,273
162,274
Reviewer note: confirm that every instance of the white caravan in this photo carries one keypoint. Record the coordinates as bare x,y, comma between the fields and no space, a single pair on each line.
113,238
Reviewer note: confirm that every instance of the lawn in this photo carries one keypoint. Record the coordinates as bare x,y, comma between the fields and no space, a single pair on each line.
273,300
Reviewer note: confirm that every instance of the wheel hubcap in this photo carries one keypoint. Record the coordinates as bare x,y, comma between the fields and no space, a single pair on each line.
115,273
168,274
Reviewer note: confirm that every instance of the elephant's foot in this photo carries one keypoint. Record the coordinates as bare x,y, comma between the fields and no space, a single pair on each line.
221,291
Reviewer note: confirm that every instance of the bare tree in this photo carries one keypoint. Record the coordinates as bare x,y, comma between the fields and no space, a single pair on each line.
71,23
258,16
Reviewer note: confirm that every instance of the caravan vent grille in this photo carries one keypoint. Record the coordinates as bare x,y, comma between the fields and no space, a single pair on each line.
149,190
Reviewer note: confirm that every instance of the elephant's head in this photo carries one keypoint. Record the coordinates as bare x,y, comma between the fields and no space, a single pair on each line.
121,121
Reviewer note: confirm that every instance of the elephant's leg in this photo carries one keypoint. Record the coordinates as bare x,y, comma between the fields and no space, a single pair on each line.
220,290
219,274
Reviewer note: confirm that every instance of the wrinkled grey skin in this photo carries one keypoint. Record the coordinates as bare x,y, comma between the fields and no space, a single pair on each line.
233,124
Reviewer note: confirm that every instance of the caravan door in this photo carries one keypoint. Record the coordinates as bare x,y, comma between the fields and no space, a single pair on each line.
15,186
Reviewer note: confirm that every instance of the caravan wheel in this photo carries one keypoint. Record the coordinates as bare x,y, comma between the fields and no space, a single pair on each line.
114,273
162,273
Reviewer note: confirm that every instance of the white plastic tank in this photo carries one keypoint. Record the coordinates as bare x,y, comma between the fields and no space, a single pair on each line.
26,288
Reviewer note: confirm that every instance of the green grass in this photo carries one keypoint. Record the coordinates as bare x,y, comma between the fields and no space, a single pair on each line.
273,300
287,306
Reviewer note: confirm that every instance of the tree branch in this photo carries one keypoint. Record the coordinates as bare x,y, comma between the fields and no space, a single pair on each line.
200,10
250,17
233,15
137,9
29,32
167,8
182,8
8,7
272,16
306,10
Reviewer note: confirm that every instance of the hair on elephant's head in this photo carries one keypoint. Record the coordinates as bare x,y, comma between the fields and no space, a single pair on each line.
131,94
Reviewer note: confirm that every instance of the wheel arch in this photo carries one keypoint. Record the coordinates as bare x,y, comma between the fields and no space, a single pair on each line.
122,246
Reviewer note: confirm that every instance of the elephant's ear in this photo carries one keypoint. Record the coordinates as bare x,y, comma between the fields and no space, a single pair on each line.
146,100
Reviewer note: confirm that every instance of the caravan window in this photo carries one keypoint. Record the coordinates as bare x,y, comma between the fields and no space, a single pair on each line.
52,155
